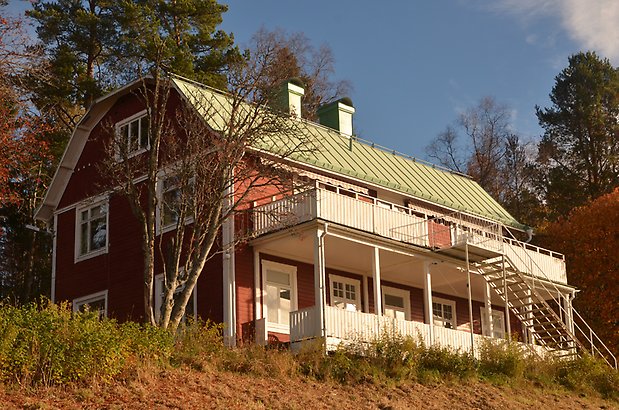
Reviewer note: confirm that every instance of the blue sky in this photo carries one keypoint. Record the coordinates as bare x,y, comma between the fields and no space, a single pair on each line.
415,65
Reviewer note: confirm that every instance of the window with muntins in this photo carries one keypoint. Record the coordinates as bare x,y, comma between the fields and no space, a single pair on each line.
444,313
171,196
92,229
345,292
133,134
171,199
97,302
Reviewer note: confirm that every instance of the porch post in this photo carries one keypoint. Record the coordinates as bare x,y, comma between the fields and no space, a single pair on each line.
470,297
528,331
378,303
366,295
427,299
508,325
319,281
257,286
488,310
567,305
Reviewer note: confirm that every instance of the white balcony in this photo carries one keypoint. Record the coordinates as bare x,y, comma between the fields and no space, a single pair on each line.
342,326
399,223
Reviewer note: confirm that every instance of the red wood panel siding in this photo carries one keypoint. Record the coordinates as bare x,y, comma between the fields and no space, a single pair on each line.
244,264
210,290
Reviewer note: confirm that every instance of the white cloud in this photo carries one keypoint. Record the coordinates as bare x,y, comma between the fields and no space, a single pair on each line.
593,24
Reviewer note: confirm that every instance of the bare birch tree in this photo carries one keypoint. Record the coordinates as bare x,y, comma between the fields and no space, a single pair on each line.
206,161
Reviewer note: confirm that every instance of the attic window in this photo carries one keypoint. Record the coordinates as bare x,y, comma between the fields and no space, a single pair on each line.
132,135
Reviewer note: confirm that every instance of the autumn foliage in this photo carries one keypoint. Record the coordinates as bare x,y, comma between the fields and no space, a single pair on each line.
589,238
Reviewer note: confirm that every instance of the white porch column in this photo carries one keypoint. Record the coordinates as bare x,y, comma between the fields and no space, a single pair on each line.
488,310
378,303
427,299
469,294
366,295
229,281
257,286
528,331
569,318
229,276
508,324
320,290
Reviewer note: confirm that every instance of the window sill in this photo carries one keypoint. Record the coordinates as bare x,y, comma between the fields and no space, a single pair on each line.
90,255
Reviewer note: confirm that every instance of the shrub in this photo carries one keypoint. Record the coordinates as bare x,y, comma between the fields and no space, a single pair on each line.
499,358
52,345
588,374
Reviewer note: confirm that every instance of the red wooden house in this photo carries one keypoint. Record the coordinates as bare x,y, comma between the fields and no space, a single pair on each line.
380,242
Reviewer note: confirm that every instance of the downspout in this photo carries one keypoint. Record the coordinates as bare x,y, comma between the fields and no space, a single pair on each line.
53,284
529,232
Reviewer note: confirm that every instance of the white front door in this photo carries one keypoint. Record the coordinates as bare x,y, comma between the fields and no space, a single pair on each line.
396,303
280,294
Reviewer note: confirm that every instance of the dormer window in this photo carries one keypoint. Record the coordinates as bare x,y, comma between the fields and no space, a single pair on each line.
132,134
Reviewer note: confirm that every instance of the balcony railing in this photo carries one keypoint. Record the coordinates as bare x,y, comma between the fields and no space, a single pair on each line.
406,225
343,326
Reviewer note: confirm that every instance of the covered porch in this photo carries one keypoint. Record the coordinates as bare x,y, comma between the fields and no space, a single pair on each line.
320,279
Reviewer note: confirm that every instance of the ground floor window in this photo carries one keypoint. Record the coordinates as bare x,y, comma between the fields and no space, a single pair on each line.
396,303
95,302
498,323
444,313
191,308
280,287
345,292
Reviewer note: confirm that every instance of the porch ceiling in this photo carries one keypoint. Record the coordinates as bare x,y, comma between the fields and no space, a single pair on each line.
354,257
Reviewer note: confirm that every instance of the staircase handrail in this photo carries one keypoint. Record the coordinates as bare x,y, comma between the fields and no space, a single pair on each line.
562,309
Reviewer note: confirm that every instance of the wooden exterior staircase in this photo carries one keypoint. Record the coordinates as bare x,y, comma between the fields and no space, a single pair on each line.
543,323
560,329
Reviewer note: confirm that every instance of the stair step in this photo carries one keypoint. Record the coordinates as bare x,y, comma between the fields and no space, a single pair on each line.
523,305
506,277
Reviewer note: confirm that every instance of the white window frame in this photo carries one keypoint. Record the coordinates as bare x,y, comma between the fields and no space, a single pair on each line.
126,121
93,297
484,323
450,302
404,294
159,296
160,227
282,268
346,281
87,205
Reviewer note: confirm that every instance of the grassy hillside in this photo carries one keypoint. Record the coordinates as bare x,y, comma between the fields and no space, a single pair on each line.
51,358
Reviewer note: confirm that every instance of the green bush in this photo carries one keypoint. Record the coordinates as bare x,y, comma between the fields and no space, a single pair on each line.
499,358
52,345
588,374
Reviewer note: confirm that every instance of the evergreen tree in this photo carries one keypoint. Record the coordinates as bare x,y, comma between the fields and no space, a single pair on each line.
96,45
578,156
181,35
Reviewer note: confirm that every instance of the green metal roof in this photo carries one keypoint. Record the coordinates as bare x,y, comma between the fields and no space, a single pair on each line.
366,162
